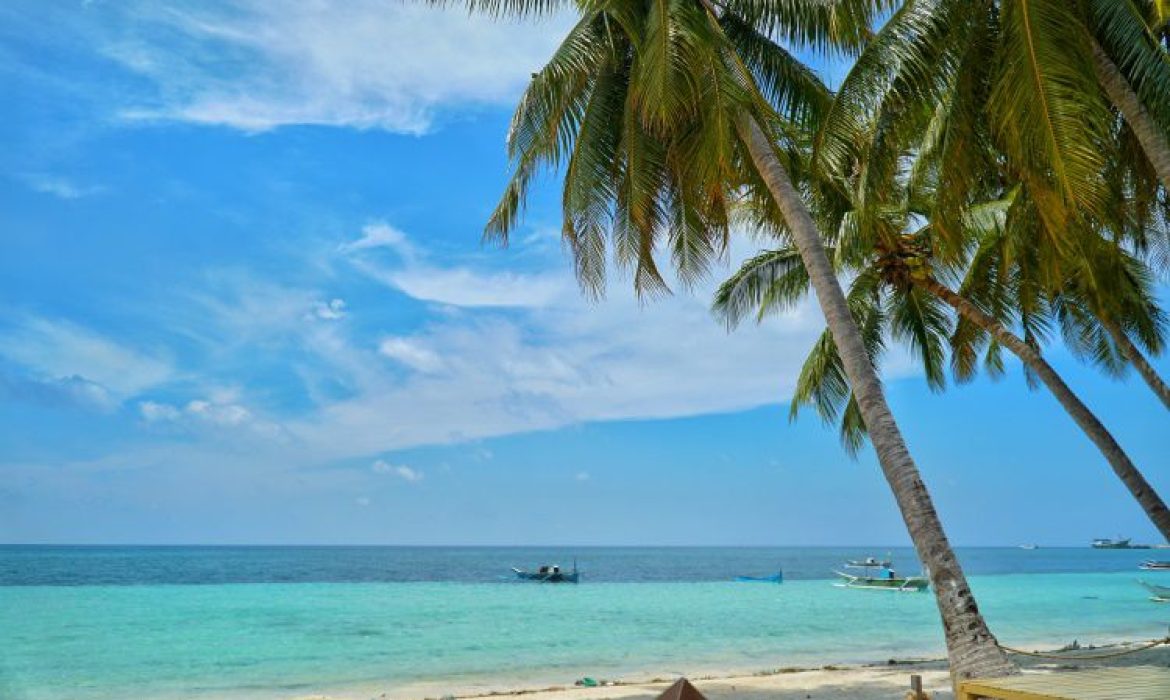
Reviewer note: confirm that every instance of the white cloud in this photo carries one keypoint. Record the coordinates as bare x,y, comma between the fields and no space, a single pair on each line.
362,501
554,360
380,234
219,413
235,307
61,350
480,373
470,288
332,310
155,412
411,354
59,187
400,470
582,476
255,65
451,285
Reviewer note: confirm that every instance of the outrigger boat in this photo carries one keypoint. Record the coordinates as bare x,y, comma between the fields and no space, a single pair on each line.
1158,594
1151,565
549,573
883,579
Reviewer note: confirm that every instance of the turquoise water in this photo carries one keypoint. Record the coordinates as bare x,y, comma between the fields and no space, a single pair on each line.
93,642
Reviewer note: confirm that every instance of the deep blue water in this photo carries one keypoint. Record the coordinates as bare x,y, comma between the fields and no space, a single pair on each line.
117,565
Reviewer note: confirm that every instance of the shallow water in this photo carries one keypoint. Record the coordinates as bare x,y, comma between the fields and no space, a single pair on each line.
133,622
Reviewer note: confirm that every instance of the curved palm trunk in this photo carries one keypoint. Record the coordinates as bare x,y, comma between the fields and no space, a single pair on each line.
1149,135
1145,494
971,647
1135,357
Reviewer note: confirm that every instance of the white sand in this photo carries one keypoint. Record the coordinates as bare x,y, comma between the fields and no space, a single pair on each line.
872,682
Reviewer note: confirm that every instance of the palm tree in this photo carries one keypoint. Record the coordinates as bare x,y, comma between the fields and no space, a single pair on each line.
1131,66
984,92
898,286
1039,80
1097,323
775,281
663,115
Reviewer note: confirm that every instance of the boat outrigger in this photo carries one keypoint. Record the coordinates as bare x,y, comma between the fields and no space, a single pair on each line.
879,576
1158,594
549,573
1151,565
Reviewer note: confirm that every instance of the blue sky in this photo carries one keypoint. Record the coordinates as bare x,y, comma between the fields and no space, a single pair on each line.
244,300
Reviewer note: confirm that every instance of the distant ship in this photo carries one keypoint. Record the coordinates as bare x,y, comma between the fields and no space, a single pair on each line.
1106,543
1029,546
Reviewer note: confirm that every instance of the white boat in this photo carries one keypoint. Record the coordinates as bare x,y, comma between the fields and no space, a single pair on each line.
879,576
1029,546
891,581
1152,565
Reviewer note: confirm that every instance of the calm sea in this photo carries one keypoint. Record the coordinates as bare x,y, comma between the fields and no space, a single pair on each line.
97,623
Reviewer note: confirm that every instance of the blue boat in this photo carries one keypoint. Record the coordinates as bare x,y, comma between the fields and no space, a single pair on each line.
777,577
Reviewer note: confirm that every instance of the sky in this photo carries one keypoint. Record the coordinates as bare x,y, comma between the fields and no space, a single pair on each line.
244,299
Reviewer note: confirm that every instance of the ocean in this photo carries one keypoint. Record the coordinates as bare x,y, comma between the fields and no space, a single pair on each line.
96,623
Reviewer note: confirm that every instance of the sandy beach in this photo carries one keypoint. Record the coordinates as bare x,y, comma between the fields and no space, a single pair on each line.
829,682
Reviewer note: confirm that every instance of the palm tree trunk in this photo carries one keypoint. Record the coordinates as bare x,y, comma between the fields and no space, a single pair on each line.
971,647
1149,135
1133,479
1135,357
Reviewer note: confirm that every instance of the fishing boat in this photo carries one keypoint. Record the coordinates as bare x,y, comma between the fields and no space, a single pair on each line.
549,573
1152,565
879,576
1028,546
777,577
887,581
1158,594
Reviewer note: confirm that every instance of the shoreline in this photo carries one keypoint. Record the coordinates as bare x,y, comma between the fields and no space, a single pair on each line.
827,681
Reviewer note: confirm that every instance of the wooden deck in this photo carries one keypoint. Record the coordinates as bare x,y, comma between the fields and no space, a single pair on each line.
1131,683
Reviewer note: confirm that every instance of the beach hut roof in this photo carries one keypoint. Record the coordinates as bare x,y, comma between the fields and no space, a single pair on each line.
681,690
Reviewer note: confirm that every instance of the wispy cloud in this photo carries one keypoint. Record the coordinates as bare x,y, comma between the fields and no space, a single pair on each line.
61,350
365,64
465,287
73,391
412,354
399,470
368,387
546,359
455,285
380,234
59,187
